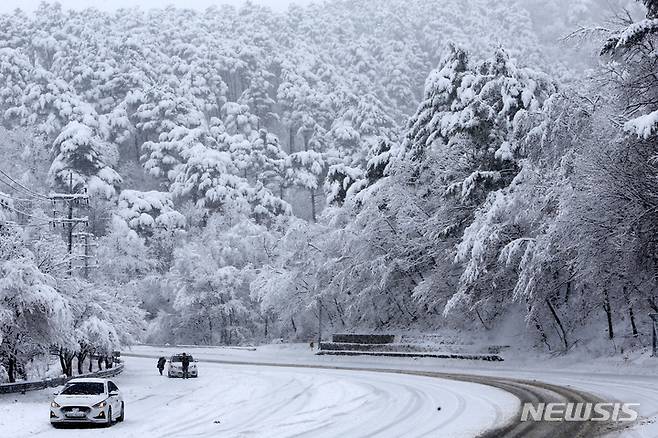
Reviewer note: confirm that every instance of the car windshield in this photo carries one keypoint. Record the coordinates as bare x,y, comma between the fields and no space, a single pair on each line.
180,358
85,388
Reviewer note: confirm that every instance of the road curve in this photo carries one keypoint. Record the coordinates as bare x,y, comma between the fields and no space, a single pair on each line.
525,390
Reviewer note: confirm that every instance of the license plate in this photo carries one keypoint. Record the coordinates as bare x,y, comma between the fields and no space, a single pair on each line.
75,414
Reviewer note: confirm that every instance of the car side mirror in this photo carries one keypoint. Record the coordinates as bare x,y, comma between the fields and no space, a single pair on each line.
114,394
55,393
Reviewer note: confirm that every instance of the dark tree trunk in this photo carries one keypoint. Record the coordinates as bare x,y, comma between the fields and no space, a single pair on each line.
339,311
563,333
631,314
11,369
69,365
542,335
313,213
62,363
477,312
230,330
608,314
292,321
66,361
136,145
81,360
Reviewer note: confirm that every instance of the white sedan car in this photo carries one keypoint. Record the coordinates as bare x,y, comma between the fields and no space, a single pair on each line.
176,366
87,401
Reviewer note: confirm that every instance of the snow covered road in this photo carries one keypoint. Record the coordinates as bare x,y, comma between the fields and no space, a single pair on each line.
523,389
257,401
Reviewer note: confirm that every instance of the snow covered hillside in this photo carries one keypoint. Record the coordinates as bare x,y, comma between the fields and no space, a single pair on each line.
476,176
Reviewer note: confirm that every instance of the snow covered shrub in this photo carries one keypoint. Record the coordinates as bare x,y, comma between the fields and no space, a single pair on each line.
33,314
145,212
80,162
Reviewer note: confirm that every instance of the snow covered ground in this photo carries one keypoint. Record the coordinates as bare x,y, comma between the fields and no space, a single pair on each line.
256,401
237,400
630,381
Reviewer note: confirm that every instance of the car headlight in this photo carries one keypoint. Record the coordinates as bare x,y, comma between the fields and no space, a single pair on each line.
100,405
54,404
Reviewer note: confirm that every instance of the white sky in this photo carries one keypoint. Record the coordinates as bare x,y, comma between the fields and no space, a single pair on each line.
30,5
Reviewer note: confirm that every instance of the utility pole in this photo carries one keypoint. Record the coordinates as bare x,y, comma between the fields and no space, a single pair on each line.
85,236
70,199
70,223
319,324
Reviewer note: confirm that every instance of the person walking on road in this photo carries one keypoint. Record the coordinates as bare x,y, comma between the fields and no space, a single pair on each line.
185,362
161,364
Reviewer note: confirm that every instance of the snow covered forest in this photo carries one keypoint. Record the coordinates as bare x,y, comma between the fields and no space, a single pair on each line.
213,177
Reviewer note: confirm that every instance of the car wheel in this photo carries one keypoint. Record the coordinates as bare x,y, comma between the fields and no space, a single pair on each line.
109,417
123,413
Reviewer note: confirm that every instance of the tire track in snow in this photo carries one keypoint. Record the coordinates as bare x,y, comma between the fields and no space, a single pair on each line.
524,390
360,403
337,404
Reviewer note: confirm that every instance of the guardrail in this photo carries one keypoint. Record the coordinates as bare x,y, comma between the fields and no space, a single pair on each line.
485,357
8,388
344,346
353,338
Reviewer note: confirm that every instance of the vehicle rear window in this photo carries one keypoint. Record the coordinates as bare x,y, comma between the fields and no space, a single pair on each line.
86,388
180,358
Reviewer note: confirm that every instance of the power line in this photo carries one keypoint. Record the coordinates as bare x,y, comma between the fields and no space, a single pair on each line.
26,189
34,198
14,198
40,224
70,200
29,191
6,205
